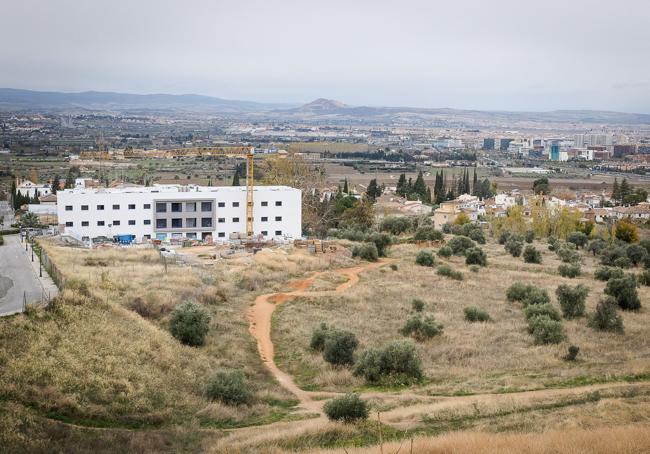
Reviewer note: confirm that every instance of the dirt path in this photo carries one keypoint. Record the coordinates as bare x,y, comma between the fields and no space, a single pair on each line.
261,313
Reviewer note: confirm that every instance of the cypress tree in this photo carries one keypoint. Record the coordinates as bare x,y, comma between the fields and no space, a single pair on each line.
235,178
401,185
420,187
345,186
616,192
474,183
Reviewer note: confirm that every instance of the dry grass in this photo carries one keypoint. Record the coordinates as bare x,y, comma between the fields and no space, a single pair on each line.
468,357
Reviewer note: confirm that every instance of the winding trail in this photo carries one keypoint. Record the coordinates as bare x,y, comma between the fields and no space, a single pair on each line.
261,313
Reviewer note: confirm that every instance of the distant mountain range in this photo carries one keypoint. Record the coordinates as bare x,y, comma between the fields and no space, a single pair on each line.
319,109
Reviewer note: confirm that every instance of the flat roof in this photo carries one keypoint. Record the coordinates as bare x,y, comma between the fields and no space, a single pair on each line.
172,189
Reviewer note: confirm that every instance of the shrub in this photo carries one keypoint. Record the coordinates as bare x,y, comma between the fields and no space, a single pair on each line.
366,251
645,244
577,238
503,238
636,254
446,227
605,273
395,225
514,247
623,290
518,291
530,236
339,347
393,266
348,409
567,253
474,314
570,270
596,246
536,296
447,271
2,240
395,363
381,241
459,244
644,278
546,309
477,235
348,234
189,322
417,305
545,330
475,256
318,337
532,255
421,329
445,252
474,268
572,353
428,233
229,387
425,258
572,299
626,231
609,255
606,317
553,243
623,262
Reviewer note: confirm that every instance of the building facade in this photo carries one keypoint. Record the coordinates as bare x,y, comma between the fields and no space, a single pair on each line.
174,211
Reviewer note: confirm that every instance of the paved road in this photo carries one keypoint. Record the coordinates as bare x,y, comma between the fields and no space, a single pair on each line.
19,277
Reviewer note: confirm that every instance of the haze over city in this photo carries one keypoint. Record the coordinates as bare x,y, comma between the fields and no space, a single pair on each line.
497,55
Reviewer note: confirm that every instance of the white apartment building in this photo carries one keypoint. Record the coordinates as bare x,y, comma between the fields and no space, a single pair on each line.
176,211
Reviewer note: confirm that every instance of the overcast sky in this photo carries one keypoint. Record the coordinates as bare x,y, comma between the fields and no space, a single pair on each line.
483,54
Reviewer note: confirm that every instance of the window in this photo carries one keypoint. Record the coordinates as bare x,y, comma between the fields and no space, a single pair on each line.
206,206
161,207
221,204
147,222
190,222
177,207
265,204
69,224
146,206
68,208
278,233
221,234
116,222
265,218
235,204
116,207
190,207
191,235
177,223
206,222
85,223
265,233
221,220
161,223
100,207
131,206
147,237
131,221
278,218
278,203
84,207
235,219
100,223
85,238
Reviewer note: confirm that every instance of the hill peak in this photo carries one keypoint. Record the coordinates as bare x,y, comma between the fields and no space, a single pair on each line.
324,104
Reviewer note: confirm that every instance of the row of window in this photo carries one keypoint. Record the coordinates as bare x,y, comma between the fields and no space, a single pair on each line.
103,223
176,223
176,207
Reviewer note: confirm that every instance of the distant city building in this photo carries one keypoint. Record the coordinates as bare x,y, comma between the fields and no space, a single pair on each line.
504,144
488,144
586,140
624,150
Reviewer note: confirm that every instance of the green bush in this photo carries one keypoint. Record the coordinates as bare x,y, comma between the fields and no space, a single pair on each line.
475,256
570,270
366,251
229,387
596,246
536,296
572,353
567,253
503,238
532,255
339,347
553,243
421,329
189,322
606,317
644,278
474,314
396,363
318,337
348,409
393,266
428,233
348,234
396,225
475,268
447,271
605,273
572,299
530,236
611,254
623,262
636,254
518,291
425,258
578,238
445,252
459,244
623,289
546,309
417,305
381,241
514,247
477,235
545,330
